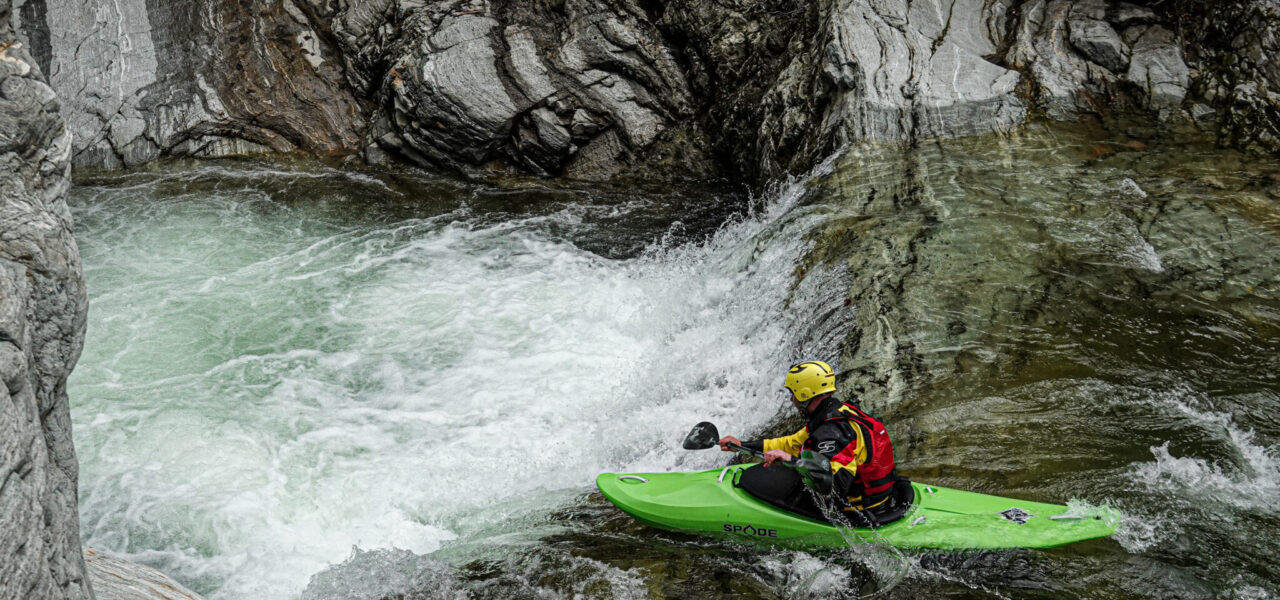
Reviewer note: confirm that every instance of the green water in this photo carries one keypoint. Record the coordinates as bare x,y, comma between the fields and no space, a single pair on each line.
1061,315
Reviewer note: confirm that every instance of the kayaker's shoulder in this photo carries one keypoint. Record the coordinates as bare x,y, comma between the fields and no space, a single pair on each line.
838,433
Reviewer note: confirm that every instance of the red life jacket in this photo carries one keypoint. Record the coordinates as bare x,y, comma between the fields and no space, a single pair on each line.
876,474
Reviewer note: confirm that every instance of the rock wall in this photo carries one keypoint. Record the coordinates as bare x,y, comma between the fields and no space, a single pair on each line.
574,87
42,319
142,79
599,89
1239,53
857,70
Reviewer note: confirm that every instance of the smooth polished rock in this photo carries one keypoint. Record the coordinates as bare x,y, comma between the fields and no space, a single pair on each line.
679,88
115,578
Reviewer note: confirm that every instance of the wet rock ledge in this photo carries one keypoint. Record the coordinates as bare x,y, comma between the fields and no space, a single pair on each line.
598,89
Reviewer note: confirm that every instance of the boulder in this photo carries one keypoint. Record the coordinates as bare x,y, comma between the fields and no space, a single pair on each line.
1159,69
1096,39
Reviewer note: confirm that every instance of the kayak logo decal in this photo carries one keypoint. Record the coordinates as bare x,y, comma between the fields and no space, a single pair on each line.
1017,515
750,530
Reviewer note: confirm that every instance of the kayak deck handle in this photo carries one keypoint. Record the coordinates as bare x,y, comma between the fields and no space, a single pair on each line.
720,479
635,477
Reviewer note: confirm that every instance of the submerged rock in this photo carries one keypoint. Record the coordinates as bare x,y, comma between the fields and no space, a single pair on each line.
386,573
960,254
42,319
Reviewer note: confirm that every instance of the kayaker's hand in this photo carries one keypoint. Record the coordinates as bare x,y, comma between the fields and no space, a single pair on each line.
726,440
774,455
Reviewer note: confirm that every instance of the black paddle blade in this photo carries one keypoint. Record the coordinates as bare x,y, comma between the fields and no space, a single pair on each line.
703,436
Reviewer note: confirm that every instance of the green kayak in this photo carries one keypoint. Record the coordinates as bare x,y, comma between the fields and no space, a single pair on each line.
710,503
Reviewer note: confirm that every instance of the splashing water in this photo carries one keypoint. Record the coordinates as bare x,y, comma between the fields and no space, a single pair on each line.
1250,482
285,362
266,386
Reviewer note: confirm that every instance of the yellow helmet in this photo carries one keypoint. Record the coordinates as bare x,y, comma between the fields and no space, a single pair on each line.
809,379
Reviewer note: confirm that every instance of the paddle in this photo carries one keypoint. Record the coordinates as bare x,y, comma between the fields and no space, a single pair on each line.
813,467
704,435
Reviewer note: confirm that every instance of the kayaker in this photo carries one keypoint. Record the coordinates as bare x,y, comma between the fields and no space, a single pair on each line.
856,444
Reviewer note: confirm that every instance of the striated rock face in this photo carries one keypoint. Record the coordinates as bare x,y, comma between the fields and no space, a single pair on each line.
1095,56
140,80
597,89
42,319
888,71
117,579
575,87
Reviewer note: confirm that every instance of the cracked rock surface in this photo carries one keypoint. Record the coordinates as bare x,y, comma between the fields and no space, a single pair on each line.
140,79
571,88
42,320
1241,77
597,90
591,89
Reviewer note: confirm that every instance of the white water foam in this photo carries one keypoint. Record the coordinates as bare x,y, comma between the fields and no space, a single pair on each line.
248,411
803,575
1253,592
1251,482
1247,483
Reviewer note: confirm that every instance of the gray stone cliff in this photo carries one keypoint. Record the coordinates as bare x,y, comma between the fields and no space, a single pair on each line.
42,320
596,89
140,79
1239,50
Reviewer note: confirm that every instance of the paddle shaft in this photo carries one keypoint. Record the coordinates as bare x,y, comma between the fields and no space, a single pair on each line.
747,451
758,454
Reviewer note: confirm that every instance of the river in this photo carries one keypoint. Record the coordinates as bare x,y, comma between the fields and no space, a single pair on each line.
305,381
